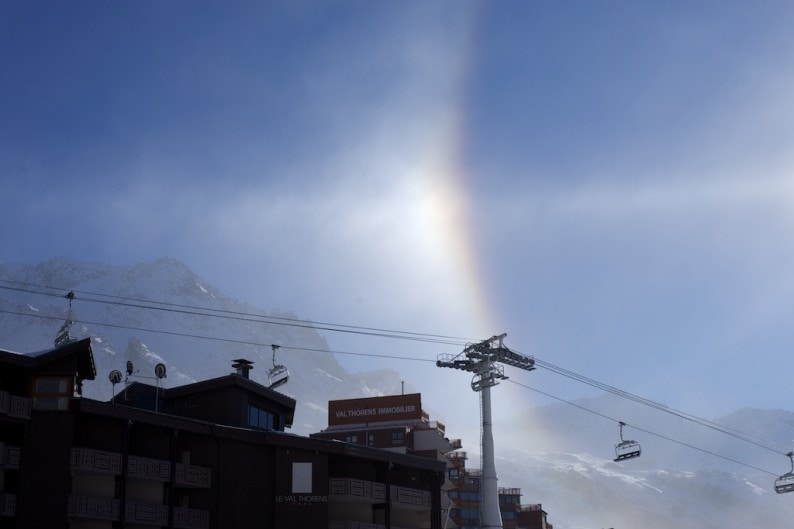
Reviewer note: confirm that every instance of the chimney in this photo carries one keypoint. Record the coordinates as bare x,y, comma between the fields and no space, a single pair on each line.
242,366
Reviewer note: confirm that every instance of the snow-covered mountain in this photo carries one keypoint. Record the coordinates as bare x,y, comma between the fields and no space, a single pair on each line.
114,306
671,485
558,455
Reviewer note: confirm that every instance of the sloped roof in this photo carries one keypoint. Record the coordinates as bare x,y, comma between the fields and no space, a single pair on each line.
229,381
79,349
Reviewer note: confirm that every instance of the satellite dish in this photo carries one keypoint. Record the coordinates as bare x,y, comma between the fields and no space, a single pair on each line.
159,370
129,367
115,376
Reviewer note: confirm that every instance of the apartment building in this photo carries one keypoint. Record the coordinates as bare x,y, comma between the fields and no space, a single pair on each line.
213,454
398,423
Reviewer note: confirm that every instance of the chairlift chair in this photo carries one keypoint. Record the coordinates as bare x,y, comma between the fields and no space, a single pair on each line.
626,449
278,375
785,483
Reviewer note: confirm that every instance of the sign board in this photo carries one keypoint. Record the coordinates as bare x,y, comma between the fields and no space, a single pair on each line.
375,409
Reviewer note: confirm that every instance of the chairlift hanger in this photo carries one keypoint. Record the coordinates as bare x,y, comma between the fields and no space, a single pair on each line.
626,449
278,375
785,483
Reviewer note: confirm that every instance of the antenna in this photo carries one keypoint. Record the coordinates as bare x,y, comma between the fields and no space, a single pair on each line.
63,337
159,372
115,378
159,375
484,359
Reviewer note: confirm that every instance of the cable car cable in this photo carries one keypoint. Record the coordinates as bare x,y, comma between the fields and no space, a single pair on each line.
661,407
368,331
666,438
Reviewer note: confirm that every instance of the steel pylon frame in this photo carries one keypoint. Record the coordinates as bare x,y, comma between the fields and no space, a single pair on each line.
485,360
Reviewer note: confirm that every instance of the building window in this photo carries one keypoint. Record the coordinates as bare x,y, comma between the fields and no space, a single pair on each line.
470,514
470,495
301,478
261,419
352,439
508,515
454,472
397,438
51,393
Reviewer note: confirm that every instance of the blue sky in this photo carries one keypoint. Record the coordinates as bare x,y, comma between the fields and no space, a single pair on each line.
610,183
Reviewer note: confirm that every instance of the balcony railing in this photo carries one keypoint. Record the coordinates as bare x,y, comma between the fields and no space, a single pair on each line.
146,513
354,525
9,457
408,498
185,518
358,525
149,469
509,491
95,461
8,504
357,490
14,405
192,476
92,508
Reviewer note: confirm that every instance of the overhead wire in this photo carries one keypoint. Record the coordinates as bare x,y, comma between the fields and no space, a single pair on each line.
239,315
660,407
366,331
665,437
214,338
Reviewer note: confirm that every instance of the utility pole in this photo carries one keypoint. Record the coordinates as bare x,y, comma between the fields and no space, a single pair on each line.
485,360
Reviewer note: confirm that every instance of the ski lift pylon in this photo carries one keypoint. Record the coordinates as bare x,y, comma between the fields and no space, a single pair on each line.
278,375
626,449
785,483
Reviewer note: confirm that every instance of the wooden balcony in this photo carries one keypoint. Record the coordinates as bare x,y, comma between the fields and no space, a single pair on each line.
362,491
8,504
185,518
92,508
356,490
354,525
146,514
95,461
9,457
14,405
408,498
358,525
192,476
148,469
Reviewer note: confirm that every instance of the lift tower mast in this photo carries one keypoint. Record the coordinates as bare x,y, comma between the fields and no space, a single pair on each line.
485,360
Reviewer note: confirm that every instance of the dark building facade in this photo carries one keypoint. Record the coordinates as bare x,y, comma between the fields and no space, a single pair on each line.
214,454
398,423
